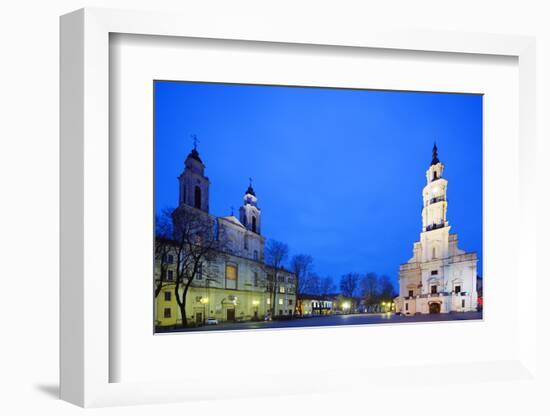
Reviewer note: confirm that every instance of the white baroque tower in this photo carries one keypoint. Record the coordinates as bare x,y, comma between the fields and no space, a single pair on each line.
249,212
440,277
193,184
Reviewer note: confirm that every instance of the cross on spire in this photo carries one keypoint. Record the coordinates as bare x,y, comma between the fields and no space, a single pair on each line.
250,190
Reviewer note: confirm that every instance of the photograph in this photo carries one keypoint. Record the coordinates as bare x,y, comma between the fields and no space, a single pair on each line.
290,207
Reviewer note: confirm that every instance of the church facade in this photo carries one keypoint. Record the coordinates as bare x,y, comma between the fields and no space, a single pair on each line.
440,277
234,285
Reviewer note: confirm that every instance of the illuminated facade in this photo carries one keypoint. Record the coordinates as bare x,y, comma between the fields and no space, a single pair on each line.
440,277
315,305
236,285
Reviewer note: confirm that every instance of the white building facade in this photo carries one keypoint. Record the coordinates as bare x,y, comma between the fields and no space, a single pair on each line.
439,278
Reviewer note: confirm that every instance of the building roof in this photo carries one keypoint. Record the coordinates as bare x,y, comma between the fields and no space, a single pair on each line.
250,190
233,219
194,155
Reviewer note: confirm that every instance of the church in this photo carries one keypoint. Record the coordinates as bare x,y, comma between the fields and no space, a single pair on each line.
236,285
440,277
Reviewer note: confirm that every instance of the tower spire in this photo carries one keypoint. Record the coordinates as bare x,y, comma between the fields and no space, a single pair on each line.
250,190
435,160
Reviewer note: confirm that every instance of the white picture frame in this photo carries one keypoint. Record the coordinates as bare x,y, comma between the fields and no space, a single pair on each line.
86,356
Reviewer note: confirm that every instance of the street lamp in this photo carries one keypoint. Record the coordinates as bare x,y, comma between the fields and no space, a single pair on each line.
346,306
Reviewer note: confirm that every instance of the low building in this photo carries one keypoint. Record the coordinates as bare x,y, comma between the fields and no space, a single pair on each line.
314,305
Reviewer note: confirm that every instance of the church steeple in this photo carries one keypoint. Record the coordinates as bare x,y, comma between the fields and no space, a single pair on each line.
194,185
249,211
434,213
435,160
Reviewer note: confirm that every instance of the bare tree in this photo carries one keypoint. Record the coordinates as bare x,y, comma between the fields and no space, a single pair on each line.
369,289
163,246
312,285
326,286
276,254
196,240
349,284
387,291
301,265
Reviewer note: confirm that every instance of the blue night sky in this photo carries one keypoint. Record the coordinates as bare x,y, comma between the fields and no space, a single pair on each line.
338,173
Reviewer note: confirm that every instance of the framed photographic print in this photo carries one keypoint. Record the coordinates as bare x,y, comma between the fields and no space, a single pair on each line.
338,202
336,168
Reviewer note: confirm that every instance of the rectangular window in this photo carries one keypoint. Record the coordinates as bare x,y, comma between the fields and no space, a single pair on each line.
280,301
198,274
256,282
246,242
169,275
268,301
406,306
281,279
291,280
290,301
411,293
231,275
281,289
434,289
434,272
457,289
463,303
167,312
170,259
167,296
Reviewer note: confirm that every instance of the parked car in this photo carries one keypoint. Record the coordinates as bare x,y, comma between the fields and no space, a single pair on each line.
211,321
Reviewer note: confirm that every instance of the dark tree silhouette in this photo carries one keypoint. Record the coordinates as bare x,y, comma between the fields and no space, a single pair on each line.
301,265
276,254
196,241
349,283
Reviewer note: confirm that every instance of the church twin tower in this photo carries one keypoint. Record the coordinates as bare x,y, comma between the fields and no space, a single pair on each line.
194,188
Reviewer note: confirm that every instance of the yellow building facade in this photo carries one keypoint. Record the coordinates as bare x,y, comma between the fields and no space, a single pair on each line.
235,285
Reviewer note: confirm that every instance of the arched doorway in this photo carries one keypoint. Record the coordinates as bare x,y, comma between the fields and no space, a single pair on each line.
435,307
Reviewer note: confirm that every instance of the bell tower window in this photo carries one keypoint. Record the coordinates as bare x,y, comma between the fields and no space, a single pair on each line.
254,224
197,197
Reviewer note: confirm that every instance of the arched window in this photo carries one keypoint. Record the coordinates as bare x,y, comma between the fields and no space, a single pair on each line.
197,197
435,175
253,223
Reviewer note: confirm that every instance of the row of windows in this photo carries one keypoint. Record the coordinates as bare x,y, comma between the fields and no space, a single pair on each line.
167,313
433,290
198,275
463,305
232,274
